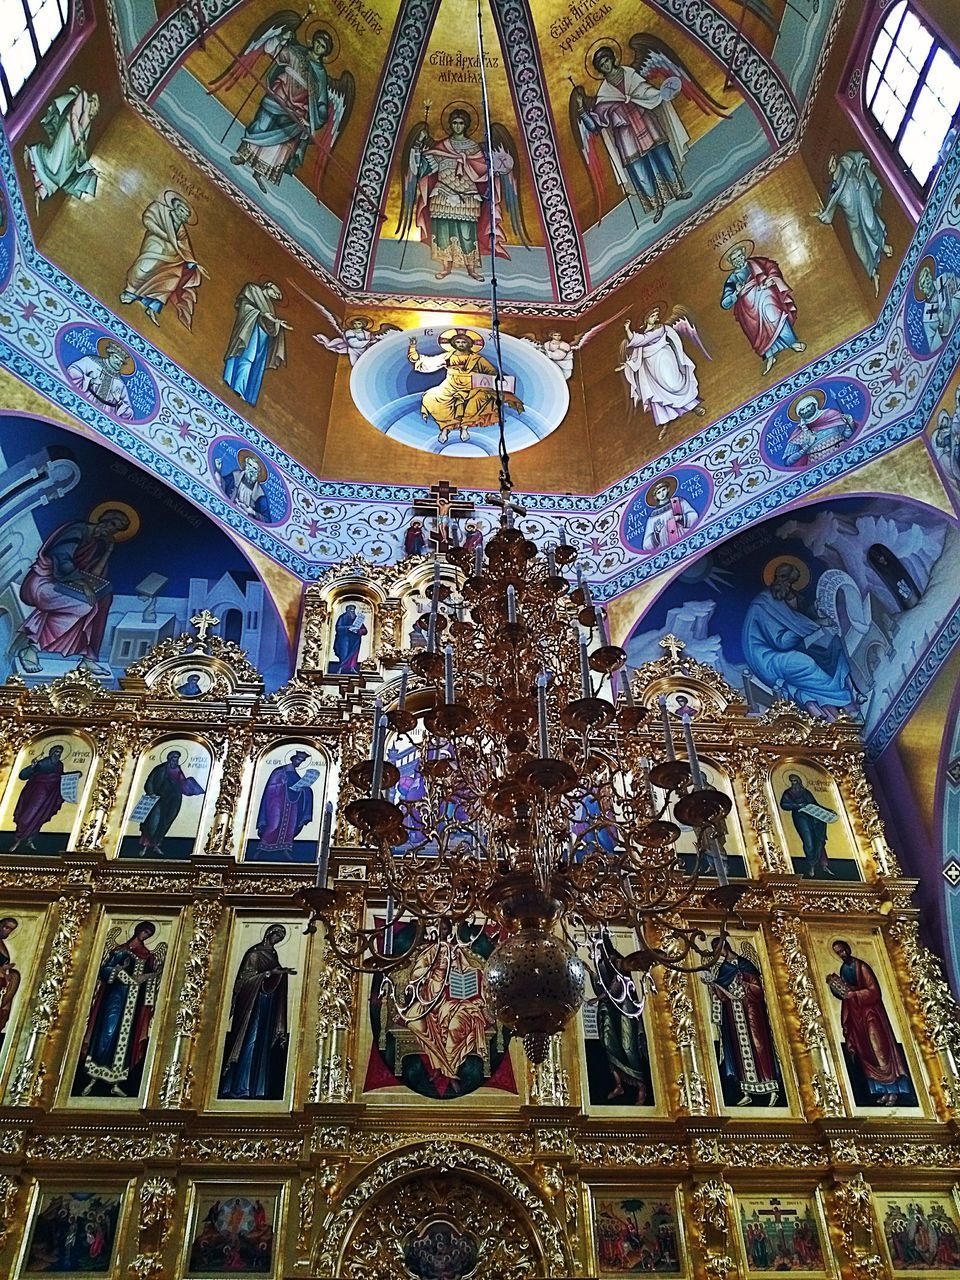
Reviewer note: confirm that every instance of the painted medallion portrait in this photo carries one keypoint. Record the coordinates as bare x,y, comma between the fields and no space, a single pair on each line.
166,800
73,1232
106,374
780,1233
434,389
248,481
287,804
665,511
43,799
815,424
933,302
638,1234
232,1233
921,1232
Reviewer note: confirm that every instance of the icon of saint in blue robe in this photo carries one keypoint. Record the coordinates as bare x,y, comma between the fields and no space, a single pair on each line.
348,637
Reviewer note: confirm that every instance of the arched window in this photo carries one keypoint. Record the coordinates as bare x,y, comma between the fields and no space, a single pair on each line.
912,92
29,30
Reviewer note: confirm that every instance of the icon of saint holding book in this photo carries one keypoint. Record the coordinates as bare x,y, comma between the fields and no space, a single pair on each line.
810,820
47,786
286,805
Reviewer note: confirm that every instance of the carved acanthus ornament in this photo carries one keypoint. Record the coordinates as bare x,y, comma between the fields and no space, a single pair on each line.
938,1010
9,1190
549,1081
753,766
851,1199
313,628
711,1212
114,746
237,748
175,1088
691,1082
865,811
331,1077
806,1002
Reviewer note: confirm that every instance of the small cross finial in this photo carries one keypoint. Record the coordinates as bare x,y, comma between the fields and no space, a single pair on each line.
203,621
675,647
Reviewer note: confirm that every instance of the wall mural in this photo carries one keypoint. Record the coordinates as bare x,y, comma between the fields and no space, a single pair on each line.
101,562
856,192
827,606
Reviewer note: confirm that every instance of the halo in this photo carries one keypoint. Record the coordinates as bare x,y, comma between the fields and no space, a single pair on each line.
129,365
771,567
655,306
930,262
669,481
297,751
458,104
446,338
816,393
132,529
170,194
603,42
746,245
367,322
262,472
312,30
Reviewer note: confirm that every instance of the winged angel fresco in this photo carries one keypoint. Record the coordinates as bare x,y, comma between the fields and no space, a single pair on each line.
446,191
302,103
632,111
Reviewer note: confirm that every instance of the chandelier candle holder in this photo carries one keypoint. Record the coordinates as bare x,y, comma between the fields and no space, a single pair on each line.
539,809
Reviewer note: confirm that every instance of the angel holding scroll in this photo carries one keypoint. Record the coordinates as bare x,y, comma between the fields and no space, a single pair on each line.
447,191
659,374
632,111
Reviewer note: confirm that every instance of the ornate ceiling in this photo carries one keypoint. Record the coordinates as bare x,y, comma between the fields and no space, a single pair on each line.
613,130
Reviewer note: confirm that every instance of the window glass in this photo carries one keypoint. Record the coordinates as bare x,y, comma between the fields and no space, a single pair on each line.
28,29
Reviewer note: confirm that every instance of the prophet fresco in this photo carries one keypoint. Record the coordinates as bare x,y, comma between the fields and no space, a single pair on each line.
167,811
257,340
660,376
302,104
254,1062
46,787
632,112
874,1058
166,269
811,821
921,1231
443,1045
779,1233
74,1233
856,191
250,482
446,191
114,1049
638,1234
348,632
744,1043
62,163
234,1235
287,815
761,301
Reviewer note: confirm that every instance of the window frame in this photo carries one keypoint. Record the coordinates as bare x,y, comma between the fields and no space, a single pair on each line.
852,96
36,89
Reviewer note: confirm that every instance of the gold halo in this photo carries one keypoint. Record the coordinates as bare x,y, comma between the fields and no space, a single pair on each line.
459,104
297,751
262,472
312,29
928,261
669,481
816,394
603,42
129,365
132,529
655,306
748,247
446,338
367,322
170,194
771,567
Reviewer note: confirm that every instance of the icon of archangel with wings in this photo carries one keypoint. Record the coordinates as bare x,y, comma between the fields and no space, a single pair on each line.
632,110
447,190
301,102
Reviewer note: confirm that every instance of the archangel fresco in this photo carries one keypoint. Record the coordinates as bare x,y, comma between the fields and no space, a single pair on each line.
815,830
253,1062
741,1021
873,1053
616,1046
233,1234
167,800
779,1233
921,1231
442,1045
116,1038
639,1233
287,804
832,607
73,1232
104,562
45,790
435,389
856,192
661,377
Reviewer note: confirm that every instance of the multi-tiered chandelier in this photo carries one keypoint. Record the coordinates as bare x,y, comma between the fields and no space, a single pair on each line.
537,809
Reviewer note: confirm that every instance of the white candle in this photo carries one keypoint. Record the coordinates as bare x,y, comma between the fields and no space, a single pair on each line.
448,694
719,861
627,689
388,929
454,533
511,603
478,561
692,754
645,770
551,562
402,699
586,686
542,715
602,623
667,731
323,860
434,606
378,758
563,535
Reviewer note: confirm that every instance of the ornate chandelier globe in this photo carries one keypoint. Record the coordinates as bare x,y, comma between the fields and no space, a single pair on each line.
535,806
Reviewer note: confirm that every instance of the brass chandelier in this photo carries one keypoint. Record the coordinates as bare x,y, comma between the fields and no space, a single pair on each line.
537,811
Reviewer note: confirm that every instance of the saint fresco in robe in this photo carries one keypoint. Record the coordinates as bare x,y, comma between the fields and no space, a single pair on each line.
169,788
74,1232
47,789
762,302
443,1043
257,340
746,1051
62,163
166,269
117,1035
615,1038
10,975
875,1062
254,1060
811,821
660,376
286,824
102,378
348,632
856,191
